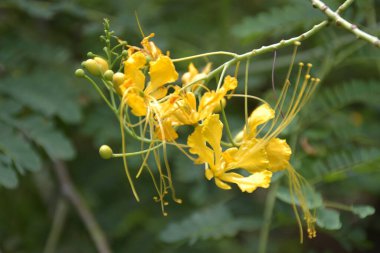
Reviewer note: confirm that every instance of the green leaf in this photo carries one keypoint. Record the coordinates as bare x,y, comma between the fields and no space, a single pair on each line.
44,134
313,199
276,21
8,177
15,146
212,223
336,165
363,211
328,219
48,92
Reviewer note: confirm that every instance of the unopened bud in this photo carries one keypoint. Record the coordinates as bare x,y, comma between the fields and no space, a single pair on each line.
105,152
79,73
108,75
96,66
118,78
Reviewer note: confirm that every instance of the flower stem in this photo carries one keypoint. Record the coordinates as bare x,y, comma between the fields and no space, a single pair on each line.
268,212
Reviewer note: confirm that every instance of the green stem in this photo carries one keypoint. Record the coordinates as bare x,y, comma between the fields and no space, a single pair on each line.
339,21
56,229
229,135
269,206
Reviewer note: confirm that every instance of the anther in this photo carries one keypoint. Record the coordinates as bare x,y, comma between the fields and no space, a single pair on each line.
301,64
297,43
310,65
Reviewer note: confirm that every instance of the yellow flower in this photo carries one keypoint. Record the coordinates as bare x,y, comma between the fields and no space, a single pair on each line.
161,72
193,75
205,143
278,151
181,108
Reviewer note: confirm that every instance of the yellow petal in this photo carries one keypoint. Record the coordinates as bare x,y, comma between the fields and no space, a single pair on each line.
250,183
260,115
162,71
198,146
212,132
230,83
209,101
159,93
150,47
278,152
209,174
166,131
221,184
249,157
132,71
136,103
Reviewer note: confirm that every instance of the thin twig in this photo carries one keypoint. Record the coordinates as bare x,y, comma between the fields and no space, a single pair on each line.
72,195
56,229
268,212
339,21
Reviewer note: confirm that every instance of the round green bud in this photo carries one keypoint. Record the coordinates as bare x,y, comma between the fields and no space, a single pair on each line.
108,75
79,73
90,54
124,52
105,152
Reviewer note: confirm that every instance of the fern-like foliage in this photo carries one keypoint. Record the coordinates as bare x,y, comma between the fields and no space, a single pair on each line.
276,21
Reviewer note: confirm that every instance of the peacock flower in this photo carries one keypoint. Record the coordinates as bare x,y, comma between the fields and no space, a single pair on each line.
181,107
133,88
205,142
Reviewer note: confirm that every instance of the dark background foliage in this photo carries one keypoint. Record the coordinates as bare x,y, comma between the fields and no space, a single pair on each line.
47,116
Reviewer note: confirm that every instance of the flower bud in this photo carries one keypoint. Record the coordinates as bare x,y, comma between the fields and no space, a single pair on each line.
105,152
108,75
118,78
96,66
79,73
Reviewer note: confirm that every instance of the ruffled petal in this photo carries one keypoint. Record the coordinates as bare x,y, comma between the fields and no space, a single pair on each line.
260,115
250,183
278,152
162,71
198,146
134,76
249,157
136,103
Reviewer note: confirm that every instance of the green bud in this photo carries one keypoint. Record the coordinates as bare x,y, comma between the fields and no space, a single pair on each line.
90,54
79,73
124,53
108,75
105,152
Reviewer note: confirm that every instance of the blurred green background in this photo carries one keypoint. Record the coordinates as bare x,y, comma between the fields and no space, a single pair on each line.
50,119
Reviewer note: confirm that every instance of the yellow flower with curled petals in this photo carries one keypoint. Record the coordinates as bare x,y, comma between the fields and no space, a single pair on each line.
162,71
181,108
220,165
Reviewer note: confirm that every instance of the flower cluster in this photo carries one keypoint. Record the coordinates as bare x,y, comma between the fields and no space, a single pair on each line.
152,102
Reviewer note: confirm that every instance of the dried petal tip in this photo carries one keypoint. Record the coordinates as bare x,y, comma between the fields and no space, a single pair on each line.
105,152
